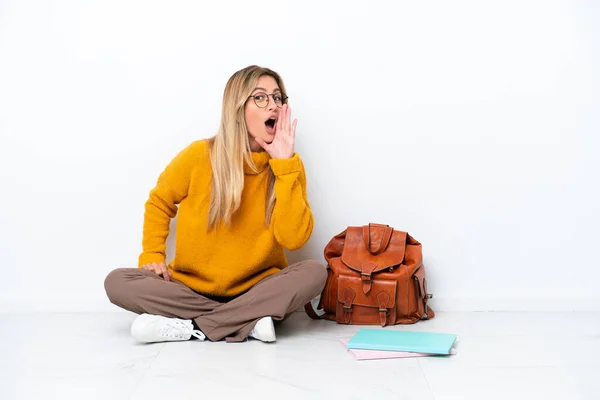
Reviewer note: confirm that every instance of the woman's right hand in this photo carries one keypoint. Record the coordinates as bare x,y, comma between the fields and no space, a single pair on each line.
159,269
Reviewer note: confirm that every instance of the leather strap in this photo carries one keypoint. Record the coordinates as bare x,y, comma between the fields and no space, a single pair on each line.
385,237
382,301
367,270
311,311
348,295
426,297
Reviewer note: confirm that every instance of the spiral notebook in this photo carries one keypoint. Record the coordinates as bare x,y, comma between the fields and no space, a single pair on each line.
393,340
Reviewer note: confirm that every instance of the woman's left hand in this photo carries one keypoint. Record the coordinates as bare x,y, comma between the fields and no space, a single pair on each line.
282,145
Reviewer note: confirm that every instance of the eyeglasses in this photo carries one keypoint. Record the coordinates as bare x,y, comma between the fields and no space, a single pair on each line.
262,99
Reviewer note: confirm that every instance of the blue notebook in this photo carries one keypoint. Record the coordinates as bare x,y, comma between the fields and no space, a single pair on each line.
416,342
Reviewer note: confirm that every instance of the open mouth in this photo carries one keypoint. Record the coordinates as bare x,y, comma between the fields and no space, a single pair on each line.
270,124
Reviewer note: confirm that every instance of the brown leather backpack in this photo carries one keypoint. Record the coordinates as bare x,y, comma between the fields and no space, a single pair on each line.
375,275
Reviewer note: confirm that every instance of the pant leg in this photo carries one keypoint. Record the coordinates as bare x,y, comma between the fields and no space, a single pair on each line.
277,296
142,291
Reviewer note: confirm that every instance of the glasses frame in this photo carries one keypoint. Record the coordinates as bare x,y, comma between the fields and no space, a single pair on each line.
283,99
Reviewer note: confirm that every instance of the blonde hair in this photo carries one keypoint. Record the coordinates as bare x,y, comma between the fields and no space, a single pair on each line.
230,147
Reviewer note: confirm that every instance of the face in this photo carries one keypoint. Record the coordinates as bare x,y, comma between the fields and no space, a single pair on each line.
261,122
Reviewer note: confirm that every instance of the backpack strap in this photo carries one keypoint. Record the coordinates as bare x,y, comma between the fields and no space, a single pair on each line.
311,311
385,237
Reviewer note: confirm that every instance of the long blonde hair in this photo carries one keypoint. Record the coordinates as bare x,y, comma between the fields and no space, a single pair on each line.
230,147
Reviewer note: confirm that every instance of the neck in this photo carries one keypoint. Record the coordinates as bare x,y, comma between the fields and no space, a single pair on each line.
255,147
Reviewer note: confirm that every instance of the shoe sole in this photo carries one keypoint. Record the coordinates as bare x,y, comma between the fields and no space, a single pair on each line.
137,330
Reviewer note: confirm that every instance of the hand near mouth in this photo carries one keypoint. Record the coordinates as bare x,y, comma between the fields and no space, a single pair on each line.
282,145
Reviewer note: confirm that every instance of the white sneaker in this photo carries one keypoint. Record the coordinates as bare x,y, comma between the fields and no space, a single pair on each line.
264,330
156,328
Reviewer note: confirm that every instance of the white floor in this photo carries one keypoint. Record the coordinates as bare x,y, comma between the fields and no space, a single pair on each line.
500,355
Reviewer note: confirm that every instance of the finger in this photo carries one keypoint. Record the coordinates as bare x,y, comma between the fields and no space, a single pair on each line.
289,119
293,131
280,120
286,119
153,268
165,272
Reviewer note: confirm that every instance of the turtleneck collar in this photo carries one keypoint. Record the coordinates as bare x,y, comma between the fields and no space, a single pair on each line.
261,160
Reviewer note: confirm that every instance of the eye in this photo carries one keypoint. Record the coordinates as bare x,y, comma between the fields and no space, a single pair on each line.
277,97
259,97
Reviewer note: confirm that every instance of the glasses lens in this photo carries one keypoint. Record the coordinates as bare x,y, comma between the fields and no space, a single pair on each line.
278,99
261,99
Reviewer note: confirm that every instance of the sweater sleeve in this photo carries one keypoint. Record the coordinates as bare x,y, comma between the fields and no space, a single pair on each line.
292,219
172,187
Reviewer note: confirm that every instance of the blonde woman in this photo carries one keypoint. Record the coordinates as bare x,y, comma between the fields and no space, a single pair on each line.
242,201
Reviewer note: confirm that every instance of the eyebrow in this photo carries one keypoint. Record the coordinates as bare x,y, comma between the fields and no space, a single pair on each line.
264,90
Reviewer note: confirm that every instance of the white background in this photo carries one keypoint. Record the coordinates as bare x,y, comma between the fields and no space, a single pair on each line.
472,125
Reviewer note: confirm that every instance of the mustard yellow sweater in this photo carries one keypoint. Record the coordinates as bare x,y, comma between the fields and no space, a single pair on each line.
225,261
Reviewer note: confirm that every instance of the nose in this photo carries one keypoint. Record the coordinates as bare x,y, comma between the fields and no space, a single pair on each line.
271,106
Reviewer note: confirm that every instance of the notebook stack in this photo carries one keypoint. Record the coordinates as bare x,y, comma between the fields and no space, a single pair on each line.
370,344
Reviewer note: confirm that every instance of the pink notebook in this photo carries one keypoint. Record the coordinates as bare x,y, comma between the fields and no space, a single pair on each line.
378,354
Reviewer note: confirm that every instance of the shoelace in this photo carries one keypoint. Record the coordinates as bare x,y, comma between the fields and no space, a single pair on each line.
179,329
198,334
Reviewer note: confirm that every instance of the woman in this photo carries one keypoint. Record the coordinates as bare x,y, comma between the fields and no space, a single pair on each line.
242,200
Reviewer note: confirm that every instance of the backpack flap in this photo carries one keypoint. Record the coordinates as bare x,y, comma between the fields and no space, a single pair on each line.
373,248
